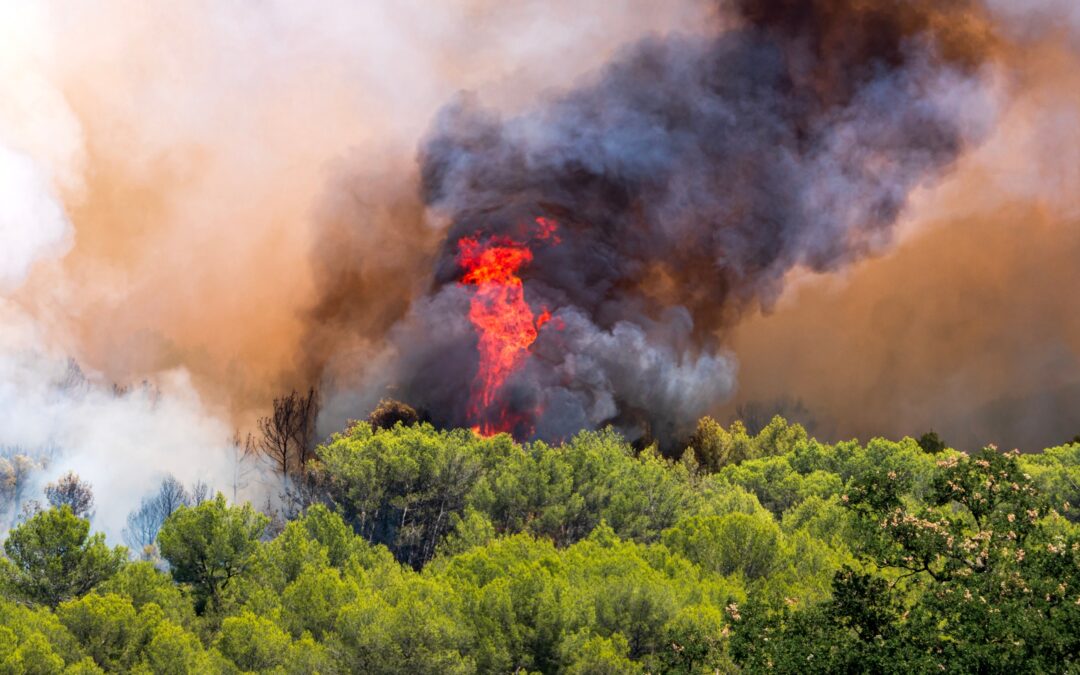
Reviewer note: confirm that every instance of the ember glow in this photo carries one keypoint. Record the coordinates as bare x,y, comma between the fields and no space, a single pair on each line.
505,324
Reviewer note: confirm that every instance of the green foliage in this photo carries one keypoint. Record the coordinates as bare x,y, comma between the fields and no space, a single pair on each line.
173,651
412,627
33,636
401,487
471,529
52,557
735,543
930,442
993,584
312,602
84,667
253,643
327,528
34,655
108,628
443,552
142,584
594,655
210,544
564,492
778,485
779,437
714,447
696,642
1056,474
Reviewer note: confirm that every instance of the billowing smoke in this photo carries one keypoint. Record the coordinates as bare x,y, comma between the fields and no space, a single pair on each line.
27,197
686,179
969,327
161,169
54,417
224,200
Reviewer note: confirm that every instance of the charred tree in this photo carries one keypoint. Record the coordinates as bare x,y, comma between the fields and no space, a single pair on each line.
69,490
288,433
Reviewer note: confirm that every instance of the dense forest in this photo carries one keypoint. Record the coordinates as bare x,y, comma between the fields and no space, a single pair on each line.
417,550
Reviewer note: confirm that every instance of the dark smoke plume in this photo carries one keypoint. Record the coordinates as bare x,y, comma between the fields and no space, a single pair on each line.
687,177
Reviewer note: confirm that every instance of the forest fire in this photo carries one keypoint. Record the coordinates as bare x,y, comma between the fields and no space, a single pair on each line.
505,323
689,175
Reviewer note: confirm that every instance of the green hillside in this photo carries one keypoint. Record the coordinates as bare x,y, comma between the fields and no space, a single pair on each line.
425,551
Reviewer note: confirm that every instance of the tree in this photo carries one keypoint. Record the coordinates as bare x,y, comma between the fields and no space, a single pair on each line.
695,642
471,530
253,643
144,523
143,584
401,487
200,492
314,599
242,454
992,570
778,437
931,443
1056,472
855,631
35,655
172,650
715,447
863,604
389,412
416,633
107,626
16,471
777,485
329,530
51,558
288,433
597,655
585,557
72,492
564,492
736,542
210,544
756,415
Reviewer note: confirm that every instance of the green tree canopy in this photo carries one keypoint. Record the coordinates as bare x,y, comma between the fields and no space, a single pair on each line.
52,558
210,544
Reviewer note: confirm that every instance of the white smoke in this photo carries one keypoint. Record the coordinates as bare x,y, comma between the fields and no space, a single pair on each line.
40,148
159,163
121,442
33,224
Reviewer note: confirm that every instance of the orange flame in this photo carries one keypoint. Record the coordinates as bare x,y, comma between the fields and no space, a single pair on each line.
504,321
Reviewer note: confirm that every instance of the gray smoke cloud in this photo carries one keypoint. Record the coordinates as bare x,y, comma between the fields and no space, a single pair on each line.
688,176
162,169
165,215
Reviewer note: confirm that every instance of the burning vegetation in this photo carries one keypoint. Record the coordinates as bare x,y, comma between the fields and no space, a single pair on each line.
644,211
505,324
572,271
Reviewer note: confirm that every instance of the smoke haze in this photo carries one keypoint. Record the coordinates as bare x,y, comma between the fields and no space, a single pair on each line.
969,325
225,199
168,171
688,176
